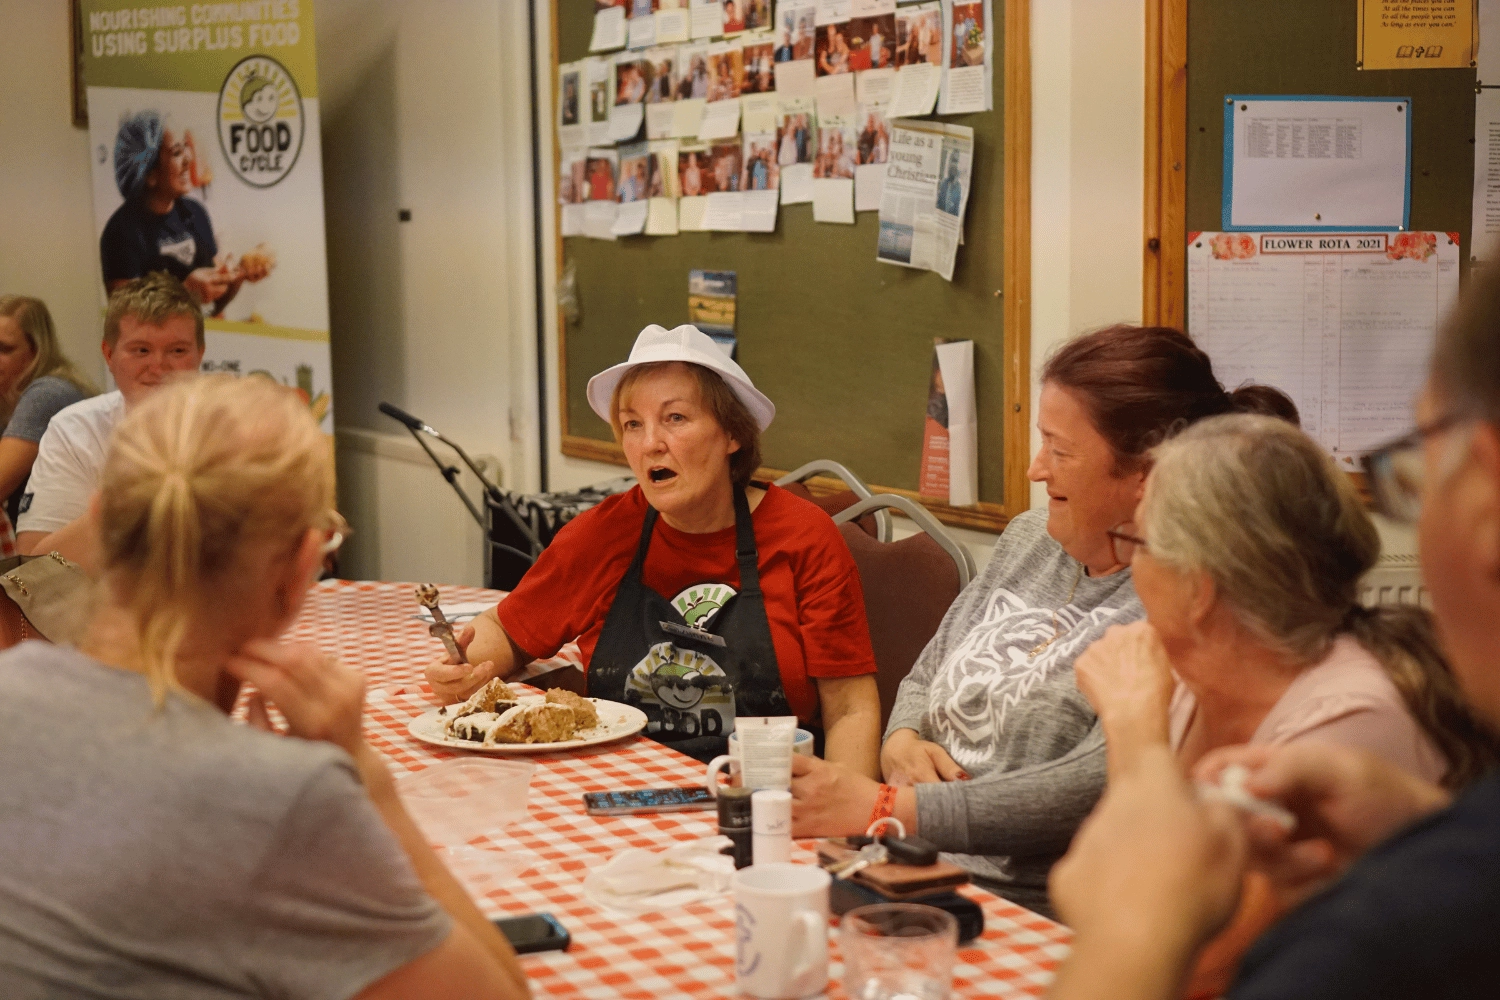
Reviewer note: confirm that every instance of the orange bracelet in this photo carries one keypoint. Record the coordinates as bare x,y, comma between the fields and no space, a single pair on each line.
885,804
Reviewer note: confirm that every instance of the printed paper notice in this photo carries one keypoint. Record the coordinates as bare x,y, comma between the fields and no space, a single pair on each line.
706,18
1416,34
919,60
609,29
925,195
1317,164
1486,221
1488,58
1342,323
950,431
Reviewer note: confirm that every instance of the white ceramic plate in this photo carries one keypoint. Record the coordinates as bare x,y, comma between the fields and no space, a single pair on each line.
616,721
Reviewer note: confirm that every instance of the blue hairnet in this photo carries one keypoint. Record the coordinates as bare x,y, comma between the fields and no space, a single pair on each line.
137,148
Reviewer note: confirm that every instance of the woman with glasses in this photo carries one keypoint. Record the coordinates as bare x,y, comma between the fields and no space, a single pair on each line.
1399,877
1247,550
153,848
991,752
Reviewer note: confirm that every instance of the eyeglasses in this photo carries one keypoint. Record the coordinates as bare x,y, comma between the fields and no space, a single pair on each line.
1123,542
1395,471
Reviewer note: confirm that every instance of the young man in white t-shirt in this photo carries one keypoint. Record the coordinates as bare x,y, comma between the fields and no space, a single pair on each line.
152,329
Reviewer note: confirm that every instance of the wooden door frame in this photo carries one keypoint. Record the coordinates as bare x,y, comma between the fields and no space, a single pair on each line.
1164,251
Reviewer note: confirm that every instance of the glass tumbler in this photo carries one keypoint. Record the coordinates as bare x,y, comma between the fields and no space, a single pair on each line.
898,951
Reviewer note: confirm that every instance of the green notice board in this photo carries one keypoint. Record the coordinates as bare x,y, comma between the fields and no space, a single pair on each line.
1296,47
842,344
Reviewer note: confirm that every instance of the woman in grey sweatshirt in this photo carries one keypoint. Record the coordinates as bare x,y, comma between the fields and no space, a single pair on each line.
992,752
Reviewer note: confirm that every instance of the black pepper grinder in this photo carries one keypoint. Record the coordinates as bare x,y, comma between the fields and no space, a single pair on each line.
734,823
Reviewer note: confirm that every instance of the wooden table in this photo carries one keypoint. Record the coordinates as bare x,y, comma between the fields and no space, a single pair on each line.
687,952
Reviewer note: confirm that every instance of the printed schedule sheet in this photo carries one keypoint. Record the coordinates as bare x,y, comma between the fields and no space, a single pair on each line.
1343,324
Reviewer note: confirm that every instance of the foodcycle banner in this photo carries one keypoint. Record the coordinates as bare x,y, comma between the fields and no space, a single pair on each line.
206,162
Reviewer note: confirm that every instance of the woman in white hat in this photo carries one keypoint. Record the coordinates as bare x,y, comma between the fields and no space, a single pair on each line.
699,595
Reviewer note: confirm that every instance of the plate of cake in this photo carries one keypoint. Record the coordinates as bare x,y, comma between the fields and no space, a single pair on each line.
499,719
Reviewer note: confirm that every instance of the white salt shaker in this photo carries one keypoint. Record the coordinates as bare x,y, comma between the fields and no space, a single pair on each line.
771,825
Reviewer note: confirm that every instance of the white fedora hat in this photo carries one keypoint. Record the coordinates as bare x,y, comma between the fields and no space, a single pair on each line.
682,343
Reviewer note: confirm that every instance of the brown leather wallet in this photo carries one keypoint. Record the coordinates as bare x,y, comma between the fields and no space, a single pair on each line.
896,882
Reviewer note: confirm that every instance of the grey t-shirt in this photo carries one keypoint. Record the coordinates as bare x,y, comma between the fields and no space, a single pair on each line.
37,406
164,853
1016,722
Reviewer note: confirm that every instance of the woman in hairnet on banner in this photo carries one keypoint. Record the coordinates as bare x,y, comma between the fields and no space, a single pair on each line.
159,228
700,595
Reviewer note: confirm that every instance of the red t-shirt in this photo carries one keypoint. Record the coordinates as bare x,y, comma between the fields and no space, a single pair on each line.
814,602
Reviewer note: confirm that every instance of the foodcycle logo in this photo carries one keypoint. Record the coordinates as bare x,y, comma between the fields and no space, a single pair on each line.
260,121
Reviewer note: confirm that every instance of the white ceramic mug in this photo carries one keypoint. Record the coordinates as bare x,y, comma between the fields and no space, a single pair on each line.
781,931
802,743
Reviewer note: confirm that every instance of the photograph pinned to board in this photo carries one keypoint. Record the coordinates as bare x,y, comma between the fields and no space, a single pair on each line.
757,68
1351,348
725,211
609,25
919,59
692,90
833,84
1416,34
671,21
833,169
968,58
796,33
796,148
721,116
1485,234
600,206
632,80
950,429
694,183
1316,164
871,42
705,18
571,127
711,305
632,190
661,215
872,152
641,24
661,95
600,76
746,15
760,183
572,189
924,195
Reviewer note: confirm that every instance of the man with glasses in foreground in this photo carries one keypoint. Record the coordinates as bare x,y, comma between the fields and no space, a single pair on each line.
1400,882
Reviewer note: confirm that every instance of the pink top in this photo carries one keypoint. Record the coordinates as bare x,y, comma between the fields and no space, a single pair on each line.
1346,699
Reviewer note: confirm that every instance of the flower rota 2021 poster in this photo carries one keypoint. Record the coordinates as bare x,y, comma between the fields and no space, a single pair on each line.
206,163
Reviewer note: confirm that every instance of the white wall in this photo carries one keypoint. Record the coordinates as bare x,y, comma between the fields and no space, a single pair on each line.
47,243
425,108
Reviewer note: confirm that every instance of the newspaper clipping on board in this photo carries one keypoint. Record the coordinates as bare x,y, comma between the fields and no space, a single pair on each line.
926,191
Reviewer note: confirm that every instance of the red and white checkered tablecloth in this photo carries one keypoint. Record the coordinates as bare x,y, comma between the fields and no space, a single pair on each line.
688,952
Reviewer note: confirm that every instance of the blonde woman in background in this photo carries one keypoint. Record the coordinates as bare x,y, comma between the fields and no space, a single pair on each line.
1247,552
155,845
36,381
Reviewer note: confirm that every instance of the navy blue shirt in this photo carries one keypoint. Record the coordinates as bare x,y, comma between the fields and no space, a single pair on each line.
1418,916
136,241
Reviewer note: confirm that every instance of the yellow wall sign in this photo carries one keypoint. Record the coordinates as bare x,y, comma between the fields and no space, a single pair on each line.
1416,34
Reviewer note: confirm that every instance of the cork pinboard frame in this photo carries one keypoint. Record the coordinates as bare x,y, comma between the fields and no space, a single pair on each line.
841,343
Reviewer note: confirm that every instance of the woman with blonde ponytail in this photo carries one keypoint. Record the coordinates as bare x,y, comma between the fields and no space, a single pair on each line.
1248,548
157,846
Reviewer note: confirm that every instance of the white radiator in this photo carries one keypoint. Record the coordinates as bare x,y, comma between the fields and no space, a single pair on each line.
408,524
1396,579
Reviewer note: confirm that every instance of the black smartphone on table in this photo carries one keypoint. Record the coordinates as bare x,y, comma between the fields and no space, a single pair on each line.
534,932
648,800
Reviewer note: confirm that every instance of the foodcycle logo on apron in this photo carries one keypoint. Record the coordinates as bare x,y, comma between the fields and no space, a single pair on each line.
683,692
260,121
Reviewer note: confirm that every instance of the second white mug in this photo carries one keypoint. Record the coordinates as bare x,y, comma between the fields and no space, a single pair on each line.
781,931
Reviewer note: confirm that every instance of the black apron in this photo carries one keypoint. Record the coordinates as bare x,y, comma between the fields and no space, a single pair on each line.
690,682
